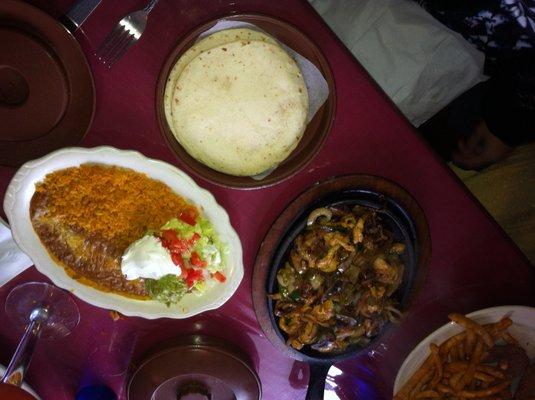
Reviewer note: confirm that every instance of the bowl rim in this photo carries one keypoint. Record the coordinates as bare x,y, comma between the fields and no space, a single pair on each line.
24,385
16,207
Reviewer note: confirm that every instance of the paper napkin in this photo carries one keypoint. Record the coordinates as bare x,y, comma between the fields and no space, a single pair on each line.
12,260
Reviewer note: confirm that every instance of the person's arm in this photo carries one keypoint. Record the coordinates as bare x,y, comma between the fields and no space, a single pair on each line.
480,149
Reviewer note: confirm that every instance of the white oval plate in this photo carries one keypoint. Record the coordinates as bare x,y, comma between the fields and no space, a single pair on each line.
24,385
17,206
523,329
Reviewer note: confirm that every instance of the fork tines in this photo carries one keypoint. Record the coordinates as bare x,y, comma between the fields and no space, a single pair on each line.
118,41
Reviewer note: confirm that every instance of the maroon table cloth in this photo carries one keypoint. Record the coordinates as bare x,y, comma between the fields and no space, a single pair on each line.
473,264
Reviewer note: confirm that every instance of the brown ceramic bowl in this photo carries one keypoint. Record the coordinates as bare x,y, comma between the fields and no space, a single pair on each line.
47,96
315,133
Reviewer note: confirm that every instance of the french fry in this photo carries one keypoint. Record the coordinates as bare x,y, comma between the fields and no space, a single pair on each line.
496,328
454,353
492,371
474,394
470,371
445,347
469,341
455,379
508,338
408,387
441,387
427,394
468,324
422,382
456,369
484,377
457,366
462,354
439,370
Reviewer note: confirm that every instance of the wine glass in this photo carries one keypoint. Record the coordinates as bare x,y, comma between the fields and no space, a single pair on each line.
46,312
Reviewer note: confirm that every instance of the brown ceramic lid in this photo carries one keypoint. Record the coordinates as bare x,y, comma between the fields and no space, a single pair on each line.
317,129
47,97
194,368
12,392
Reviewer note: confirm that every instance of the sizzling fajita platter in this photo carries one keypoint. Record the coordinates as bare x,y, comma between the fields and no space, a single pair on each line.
125,232
337,270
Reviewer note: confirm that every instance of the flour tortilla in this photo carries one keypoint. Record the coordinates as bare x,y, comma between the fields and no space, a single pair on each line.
240,109
215,39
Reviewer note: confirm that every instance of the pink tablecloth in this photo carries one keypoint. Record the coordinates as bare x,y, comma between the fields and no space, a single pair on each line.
473,264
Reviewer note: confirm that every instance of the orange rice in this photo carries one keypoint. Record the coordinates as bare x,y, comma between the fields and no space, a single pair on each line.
116,204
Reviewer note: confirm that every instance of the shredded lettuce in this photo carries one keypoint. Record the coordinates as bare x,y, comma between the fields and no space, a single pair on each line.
184,230
171,288
200,287
208,246
168,289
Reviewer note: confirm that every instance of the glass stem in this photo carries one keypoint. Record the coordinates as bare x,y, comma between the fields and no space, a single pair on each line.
23,355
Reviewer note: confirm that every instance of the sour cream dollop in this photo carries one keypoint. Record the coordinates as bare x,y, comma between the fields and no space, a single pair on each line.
147,258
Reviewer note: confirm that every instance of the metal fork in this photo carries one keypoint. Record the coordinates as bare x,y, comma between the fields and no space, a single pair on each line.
125,34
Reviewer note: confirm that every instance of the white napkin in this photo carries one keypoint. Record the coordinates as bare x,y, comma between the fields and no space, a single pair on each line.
12,260
420,63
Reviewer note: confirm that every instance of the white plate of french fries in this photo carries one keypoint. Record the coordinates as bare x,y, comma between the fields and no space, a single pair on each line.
434,369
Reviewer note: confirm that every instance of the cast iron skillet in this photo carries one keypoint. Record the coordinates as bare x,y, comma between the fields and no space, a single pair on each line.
399,213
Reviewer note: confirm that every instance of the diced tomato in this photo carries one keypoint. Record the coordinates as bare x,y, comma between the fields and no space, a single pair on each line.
196,260
173,243
219,276
180,246
169,236
189,216
192,275
177,259
192,240
185,273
